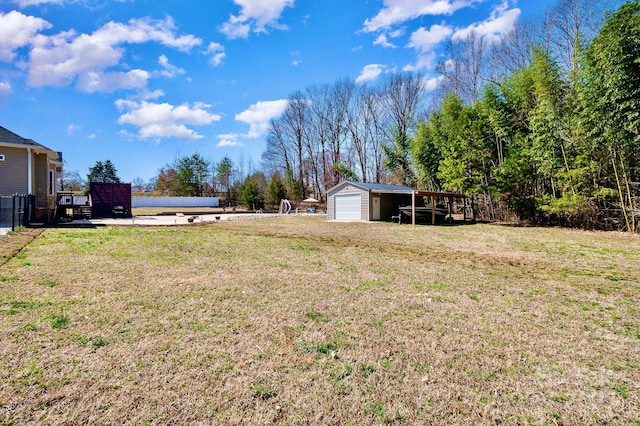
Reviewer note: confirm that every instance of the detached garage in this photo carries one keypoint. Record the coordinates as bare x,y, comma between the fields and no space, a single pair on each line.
377,201
366,201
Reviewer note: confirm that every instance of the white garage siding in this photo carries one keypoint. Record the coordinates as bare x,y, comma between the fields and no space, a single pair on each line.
348,206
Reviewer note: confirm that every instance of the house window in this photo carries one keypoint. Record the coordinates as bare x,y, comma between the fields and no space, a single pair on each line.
1,157
51,182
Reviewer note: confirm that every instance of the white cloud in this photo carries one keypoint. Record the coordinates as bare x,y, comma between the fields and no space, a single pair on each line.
216,50
145,30
255,15
370,72
25,3
425,40
382,41
146,95
163,120
5,91
169,71
71,128
298,58
399,11
230,139
432,84
235,27
18,30
97,81
425,61
260,114
501,21
61,59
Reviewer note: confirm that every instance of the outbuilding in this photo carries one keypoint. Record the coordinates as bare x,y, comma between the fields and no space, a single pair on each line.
110,199
376,201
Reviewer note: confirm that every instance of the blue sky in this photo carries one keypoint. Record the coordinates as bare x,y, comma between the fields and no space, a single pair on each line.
142,82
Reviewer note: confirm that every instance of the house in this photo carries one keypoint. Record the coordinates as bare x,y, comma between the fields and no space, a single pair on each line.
376,201
27,167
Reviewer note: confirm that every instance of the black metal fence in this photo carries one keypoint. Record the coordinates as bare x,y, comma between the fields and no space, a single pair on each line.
16,210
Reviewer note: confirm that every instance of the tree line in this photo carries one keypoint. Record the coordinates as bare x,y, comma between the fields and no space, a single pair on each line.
542,125
195,176
555,140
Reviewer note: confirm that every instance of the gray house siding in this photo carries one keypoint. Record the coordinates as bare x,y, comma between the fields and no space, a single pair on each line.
41,180
27,167
13,179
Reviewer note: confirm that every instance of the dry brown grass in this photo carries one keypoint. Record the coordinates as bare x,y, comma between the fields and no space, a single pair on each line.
13,242
293,320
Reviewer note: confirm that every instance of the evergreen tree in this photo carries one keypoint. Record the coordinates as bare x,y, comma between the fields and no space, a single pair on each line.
276,190
397,159
191,173
103,172
610,105
250,193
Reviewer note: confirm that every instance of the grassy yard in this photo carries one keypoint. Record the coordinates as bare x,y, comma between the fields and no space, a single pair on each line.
293,321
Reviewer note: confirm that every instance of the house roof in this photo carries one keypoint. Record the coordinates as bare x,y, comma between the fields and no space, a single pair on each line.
8,138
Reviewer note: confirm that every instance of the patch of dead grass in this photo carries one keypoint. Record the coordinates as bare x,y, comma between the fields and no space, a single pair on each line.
299,321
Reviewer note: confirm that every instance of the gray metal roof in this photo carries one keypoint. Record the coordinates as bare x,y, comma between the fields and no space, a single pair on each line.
381,187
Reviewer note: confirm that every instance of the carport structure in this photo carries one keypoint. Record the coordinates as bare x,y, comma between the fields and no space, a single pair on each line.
449,196
375,201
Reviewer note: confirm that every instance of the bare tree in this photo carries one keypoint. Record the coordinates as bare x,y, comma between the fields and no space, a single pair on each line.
373,113
402,96
294,122
321,119
513,51
363,120
277,156
464,71
348,100
137,184
70,180
571,24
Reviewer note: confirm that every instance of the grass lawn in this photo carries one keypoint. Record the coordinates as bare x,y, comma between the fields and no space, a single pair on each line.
295,320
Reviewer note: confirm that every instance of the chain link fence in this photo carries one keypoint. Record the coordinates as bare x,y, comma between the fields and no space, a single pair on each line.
15,211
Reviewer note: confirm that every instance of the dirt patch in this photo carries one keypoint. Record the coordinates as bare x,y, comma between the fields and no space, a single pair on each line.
11,244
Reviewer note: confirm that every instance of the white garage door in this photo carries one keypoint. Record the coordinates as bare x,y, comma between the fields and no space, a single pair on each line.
347,206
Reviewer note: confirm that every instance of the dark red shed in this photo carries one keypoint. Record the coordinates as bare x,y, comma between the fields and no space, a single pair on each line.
110,199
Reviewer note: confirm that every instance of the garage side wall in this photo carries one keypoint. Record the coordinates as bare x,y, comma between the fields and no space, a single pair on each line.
330,204
365,208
